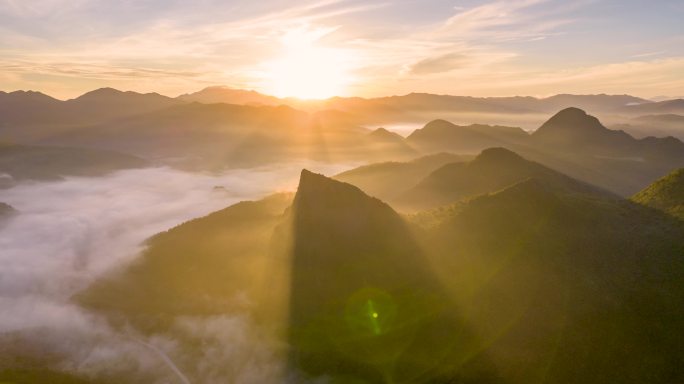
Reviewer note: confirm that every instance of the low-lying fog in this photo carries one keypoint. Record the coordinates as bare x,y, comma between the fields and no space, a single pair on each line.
69,232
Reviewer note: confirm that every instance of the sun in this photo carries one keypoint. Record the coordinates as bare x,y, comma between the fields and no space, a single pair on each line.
307,70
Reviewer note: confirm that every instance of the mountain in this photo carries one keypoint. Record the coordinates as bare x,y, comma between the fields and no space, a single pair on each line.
544,279
212,95
675,106
492,170
229,268
215,136
28,117
595,103
21,162
441,135
386,180
666,194
364,304
393,145
654,125
109,103
573,126
577,144
563,284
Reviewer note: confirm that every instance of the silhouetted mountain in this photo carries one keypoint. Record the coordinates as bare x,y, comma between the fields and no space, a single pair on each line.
25,108
492,170
393,145
212,95
387,180
220,135
32,116
573,126
20,162
108,103
666,194
441,135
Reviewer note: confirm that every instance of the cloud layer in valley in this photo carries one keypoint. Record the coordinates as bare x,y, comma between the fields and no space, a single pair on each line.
69,232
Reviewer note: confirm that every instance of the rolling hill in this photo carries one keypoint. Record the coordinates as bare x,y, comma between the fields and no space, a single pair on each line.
386,180
544,278
666,194
492,170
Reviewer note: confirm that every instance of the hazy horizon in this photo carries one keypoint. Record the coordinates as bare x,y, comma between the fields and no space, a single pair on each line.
317,49
191,91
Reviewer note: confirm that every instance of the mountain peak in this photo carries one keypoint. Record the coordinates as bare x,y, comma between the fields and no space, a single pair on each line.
101,92
498,155
573,124
572,118
316,189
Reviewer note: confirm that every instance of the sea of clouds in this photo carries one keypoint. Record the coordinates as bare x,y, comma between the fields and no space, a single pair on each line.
68,233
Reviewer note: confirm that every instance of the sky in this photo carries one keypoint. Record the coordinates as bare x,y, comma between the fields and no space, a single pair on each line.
321,48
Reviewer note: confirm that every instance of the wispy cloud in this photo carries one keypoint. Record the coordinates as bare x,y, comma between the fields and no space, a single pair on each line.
65,47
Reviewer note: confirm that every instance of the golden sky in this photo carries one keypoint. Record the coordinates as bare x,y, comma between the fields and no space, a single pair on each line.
315,49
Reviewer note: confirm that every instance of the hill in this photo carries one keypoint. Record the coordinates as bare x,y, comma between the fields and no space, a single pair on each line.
666,194
211,136
21,162
441,135
675,106
363,301
386,180
28,117
229,267
218,94
492,170
568,280
546,278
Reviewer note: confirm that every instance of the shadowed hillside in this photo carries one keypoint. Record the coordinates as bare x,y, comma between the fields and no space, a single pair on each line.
389,179
20,162
364,304
492,170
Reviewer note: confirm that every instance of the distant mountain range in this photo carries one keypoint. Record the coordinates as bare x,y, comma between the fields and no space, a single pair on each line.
22,162
536,264
193,131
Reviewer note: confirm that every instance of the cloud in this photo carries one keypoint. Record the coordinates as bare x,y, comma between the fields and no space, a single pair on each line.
438,64
68,233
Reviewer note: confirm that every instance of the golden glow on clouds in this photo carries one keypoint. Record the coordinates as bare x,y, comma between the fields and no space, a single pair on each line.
307,69
338,47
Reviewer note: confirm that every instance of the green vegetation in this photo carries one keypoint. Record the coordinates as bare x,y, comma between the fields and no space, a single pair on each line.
41,376
666,194
205,266
546,279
